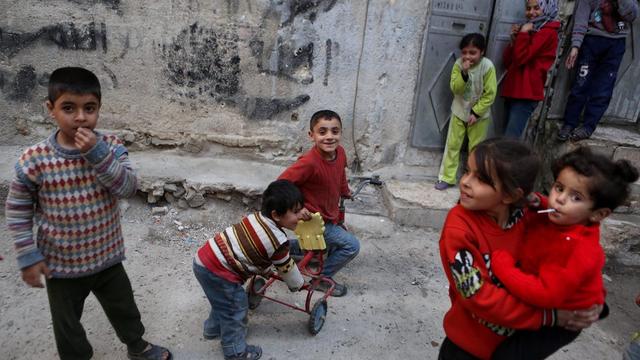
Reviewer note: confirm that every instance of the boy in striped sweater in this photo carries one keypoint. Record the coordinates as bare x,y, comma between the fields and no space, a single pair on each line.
248,248
68,187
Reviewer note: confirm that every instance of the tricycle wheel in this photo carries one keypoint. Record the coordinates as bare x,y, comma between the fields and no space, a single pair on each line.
318,315
252,292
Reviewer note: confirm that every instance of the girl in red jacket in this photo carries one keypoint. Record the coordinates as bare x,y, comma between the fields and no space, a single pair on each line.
561,258
487,218
527,58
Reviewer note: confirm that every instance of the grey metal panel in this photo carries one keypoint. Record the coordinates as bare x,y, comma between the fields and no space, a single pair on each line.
625,103
449,21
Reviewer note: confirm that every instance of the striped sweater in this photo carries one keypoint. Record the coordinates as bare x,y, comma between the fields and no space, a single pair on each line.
72,199
250,248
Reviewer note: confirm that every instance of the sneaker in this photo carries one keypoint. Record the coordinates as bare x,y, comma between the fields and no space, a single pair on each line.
580,133
441,185
338,291
251,352
564,133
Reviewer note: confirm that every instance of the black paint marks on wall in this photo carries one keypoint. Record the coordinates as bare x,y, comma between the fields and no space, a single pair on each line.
204,62
24,83
327,63
308,7
266,108
293,62
68,36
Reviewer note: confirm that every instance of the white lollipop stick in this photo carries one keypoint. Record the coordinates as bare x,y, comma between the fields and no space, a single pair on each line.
546,211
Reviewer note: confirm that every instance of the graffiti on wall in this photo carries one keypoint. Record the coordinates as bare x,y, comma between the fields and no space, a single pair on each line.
205,63
67,36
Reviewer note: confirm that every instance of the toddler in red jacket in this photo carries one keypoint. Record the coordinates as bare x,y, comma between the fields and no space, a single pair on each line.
561,260
527,58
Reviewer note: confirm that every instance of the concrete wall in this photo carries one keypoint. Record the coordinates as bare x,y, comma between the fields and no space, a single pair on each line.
234,76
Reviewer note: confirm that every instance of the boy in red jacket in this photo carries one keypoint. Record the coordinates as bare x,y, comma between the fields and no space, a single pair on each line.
320,174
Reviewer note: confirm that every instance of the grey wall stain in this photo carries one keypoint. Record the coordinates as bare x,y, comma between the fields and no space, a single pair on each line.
67,36
204,61
310,7
327,63
24,83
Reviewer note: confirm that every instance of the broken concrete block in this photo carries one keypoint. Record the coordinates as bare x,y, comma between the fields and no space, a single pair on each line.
159,210
151,199
225,197
170,187
169,197
196,200
183,204
180,191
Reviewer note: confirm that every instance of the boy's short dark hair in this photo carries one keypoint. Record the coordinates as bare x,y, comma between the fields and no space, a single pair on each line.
281,196
74,80
323,114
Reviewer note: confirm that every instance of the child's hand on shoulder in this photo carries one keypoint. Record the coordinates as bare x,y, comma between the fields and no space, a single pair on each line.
85,139
525,28
32,274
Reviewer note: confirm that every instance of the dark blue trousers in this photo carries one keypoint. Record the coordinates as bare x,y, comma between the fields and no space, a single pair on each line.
598,63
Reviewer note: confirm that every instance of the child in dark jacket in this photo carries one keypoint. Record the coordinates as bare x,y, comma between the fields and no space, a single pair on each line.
527,58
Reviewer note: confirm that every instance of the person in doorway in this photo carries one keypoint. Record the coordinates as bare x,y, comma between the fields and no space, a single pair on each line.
473,83
321,176
527,58
69,185
598,42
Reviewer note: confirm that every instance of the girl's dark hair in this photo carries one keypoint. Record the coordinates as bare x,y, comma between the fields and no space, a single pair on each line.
281,195
510,162
608,181
474,39
75,80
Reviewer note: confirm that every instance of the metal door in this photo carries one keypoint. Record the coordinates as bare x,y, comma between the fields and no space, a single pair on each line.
449,21
625,103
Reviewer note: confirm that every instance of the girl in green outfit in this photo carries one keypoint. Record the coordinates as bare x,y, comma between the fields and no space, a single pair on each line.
473,83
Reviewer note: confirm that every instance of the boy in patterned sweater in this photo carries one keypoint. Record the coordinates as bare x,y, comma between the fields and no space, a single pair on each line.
68,186
247,248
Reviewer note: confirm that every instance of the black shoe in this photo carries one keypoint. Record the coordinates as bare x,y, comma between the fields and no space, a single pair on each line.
580,134
564,133
338,291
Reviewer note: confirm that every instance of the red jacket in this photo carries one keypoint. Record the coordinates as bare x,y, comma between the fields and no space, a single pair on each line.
482,312
321,181
560,266
528,60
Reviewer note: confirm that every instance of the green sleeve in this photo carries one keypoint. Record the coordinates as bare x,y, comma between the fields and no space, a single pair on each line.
488,93
457,81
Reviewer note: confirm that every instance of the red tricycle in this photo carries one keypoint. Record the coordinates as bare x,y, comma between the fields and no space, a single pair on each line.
311,267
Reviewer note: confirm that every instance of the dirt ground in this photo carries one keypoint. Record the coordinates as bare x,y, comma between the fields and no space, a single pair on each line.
397,297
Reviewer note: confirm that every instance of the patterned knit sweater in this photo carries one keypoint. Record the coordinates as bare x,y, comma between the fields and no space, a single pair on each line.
72,198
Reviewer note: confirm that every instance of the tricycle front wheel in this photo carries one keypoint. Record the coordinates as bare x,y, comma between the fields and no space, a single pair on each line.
317,316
